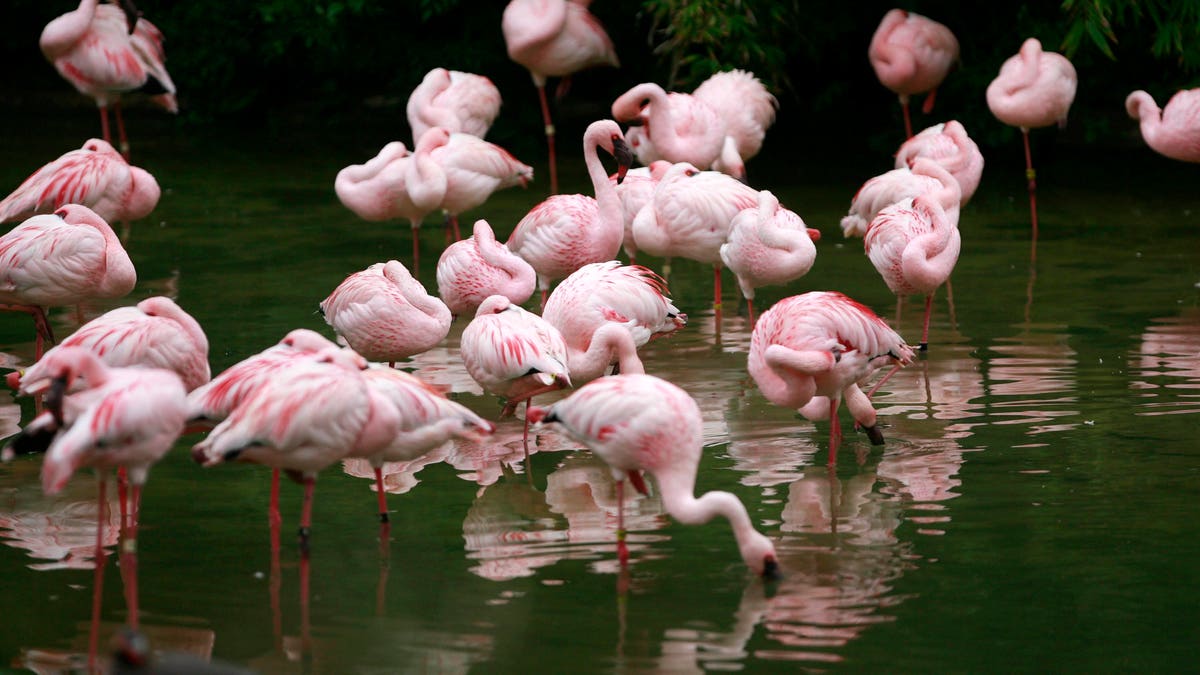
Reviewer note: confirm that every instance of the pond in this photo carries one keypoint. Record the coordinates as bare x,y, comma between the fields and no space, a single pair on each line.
1031,510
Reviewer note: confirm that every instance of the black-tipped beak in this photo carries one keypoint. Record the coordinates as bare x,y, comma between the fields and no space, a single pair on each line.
131,14
54,398
624,157
771,570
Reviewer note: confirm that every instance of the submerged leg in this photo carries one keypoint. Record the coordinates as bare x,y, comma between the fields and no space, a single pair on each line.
383,510
835,431
98,576
925,330
622,548
306,515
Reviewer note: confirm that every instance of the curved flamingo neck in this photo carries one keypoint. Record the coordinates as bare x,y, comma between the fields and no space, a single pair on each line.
929,259
60,35
609,343
607,199
679,501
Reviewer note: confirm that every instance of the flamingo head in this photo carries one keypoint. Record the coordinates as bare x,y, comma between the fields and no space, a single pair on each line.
624,155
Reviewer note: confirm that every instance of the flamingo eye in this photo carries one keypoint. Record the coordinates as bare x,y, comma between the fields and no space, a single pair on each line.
691,172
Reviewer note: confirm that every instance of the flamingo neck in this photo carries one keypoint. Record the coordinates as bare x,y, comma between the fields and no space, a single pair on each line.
607,199
60,35
610,343
678,500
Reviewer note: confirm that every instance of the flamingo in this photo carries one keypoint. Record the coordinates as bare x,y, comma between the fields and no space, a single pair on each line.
809,351
914,245
426,420
472,269
307,415
1172,132
397,184
474,169
896,185
385,314
689,216
454,100
566,232
127,418
629,298
96,176
912,54
1034,89
635,190
768,245
554,38
948,144
638,422
156,333
64,258
514,354
105,50
720,125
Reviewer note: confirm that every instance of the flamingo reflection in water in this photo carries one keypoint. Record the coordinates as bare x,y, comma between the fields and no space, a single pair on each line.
1167,365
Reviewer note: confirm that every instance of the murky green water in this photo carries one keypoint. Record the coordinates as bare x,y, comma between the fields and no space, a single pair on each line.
1033,509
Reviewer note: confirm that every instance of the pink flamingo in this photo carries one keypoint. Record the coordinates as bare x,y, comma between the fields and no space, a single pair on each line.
635,190
385,314
912,54
690,215
566,232
605,312
426,420
156,333
474,169
514,354
64,258
96,176
105,51
397,184
747,109
914,245
636,423
127,418
809,351
949,145
768,245
1171,132
554,38
1034,89
454,100
894,186
472,269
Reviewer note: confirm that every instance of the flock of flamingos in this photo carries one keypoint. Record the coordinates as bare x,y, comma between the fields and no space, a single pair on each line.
120,391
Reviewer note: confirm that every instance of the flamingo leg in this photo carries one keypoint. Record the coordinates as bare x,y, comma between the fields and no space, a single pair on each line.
717,299
622,548
305,622
896,368
98,575
383,510
1031,176
835,431
416,250
549,125
129,564
454,226
750,311
104,132
950,304
123,145
925,330
525,433
40,323
276,580
908,133
306,515
274,519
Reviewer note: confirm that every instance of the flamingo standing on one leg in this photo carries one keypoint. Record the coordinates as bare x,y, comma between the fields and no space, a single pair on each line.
1034,89
566,232
385,314
127,418
914,245
474,169
809,351
96,176
472,269
64,258
950,146
598,298
514,354
454,100
912,54
105,50
554,38
768,245
639,423
689,216
1173,131
886,189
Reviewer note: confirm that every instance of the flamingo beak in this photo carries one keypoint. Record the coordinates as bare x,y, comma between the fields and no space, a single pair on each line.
624,158
814,234
771,569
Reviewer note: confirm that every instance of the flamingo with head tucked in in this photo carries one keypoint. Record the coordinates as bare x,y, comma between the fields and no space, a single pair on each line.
1173,131
912,54
926,175
810,351
473,269
639,423
1034,89
106,50
474,169
554,38
454,100
64,258
949,145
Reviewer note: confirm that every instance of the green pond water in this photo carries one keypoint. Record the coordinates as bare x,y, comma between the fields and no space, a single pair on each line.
1033,509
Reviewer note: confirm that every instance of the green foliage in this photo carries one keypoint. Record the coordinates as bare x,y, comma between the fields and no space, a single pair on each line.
1175,27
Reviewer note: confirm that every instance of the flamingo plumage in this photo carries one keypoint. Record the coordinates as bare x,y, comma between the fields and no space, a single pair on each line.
1173,131
474,169
912,54
472,269
454,100
893,186
949,145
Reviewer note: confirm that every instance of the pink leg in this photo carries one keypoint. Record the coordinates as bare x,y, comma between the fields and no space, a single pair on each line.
104,132
129,562
549,126
454,226
98,577
305,621
883,379
383,510
907,120
416,251
274,519
545,295
925,330
276,579
123,145
750,311
40,323
717,313
1031,176
525,434
835,431
306,515
622,548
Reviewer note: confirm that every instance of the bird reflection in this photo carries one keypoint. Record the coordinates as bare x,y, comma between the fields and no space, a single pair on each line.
61,532
1167,365
1032,380
195,643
